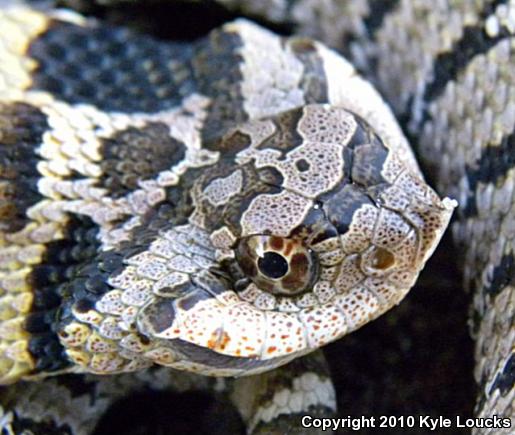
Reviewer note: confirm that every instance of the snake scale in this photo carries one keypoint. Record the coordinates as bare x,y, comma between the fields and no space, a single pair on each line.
228,206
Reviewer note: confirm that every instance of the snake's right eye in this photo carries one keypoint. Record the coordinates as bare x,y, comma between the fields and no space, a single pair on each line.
272,265
278,265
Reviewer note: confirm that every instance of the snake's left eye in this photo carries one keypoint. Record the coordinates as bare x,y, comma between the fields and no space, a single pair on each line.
277,265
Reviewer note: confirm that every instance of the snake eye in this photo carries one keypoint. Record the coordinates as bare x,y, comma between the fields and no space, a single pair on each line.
277,265
272,265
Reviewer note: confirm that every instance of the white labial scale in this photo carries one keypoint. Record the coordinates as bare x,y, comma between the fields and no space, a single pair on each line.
228,298
359,306
387,293
265,301
349,90
286,305
202,324
236,330
323,324
271,87
244,329
250,294
285,335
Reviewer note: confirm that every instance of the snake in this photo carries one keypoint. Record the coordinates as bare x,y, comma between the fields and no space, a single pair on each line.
228,206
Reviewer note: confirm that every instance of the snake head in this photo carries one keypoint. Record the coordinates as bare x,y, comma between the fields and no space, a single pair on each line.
305,226
128,242
311,226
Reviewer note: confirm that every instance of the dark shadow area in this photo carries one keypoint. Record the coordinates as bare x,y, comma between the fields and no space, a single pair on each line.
179,20
163,413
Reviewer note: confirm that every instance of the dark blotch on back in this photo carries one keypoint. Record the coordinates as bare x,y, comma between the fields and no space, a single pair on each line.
110,68
137,154
21,131
216,64
491,168
505,380
58,285
502,275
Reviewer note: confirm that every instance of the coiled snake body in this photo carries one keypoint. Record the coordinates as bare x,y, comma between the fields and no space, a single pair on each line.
222,207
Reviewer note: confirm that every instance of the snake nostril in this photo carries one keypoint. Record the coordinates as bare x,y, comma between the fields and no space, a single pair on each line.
382,259
376,261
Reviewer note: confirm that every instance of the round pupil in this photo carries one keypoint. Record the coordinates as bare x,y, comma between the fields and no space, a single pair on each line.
273,265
